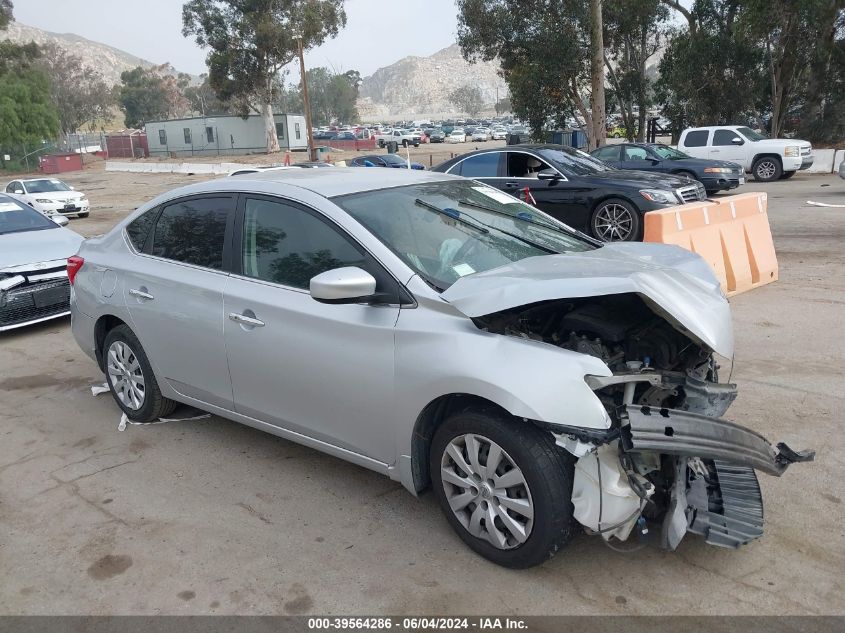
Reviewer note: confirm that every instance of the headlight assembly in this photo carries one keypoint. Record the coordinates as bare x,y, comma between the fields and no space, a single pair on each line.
659,195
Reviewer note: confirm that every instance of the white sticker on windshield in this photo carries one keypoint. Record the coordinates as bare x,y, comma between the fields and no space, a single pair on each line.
8,206
496,195
55,182
463,269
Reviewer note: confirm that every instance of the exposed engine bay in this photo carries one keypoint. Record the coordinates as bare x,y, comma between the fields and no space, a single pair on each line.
668,460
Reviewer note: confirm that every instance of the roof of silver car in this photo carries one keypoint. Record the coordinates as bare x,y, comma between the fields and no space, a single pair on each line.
340,181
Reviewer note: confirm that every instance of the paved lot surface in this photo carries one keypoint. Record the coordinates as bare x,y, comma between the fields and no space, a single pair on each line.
214,517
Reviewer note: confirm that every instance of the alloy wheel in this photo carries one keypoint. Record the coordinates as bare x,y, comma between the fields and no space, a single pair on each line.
613,223
126,375
766,169
487,491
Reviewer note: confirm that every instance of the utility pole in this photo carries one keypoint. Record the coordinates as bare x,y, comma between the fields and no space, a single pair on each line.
312,151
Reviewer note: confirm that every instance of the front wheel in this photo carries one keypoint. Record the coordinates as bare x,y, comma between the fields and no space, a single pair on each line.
787,175
615,220
767,169
504,486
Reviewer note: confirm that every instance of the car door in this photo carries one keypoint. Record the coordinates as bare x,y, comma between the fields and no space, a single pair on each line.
723,147
636,157
174,293
322,370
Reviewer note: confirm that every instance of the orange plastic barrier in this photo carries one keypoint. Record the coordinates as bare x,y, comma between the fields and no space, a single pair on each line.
731,233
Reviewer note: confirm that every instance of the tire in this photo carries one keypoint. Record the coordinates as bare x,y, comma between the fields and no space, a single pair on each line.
543,474
767,169
615,220
787,175
82,215
381,144
404,142
151,405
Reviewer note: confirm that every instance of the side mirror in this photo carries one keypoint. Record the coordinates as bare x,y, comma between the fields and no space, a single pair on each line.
737,141
548,174
343,285
654,161
59,219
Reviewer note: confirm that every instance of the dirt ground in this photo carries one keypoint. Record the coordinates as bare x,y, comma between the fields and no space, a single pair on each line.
214,517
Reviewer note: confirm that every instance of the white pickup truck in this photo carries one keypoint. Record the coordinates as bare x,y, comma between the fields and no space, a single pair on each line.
766,158
402,137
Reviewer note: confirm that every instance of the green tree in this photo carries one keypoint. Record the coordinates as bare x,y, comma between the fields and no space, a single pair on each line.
6,7
28,116
250,41
203,100
143,97
543,47
711,72
635,30
79,93
468,99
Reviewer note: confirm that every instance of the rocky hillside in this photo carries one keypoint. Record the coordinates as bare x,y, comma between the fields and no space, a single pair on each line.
419,87
104,59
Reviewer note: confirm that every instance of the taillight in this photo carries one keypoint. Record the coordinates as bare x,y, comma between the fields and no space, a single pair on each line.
74,263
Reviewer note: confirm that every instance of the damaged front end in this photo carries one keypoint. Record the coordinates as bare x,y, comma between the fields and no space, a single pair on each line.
668,459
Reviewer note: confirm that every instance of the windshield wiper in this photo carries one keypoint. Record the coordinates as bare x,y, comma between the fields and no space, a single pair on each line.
453,214
547,225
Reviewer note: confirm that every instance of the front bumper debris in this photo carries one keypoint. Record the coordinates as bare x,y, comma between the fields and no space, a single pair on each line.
673,432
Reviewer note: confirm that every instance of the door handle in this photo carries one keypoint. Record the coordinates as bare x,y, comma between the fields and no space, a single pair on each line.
243,319
511,185
141,294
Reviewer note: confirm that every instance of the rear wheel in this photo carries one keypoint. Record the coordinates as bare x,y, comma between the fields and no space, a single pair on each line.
615,220
504,486
766,169
130,377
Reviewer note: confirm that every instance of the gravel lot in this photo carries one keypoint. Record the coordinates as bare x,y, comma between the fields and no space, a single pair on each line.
214,517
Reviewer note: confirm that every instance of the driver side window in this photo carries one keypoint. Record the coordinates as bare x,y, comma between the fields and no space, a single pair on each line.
521,165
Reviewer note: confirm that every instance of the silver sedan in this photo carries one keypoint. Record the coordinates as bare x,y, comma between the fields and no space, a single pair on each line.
444,334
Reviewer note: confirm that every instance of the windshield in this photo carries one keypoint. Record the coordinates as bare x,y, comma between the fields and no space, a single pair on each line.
393,159
447,230
751,135
45,186
669,153
18,218
573,161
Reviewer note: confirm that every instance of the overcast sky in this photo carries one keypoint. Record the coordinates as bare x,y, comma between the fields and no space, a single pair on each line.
152,29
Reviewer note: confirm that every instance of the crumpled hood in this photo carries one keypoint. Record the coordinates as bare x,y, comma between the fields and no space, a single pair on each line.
677,284
17,249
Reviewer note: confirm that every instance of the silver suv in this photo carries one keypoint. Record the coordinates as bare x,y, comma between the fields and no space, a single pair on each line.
444,334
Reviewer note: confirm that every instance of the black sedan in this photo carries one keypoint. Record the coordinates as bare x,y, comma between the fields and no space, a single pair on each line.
715,175
383,160
575,188
436,136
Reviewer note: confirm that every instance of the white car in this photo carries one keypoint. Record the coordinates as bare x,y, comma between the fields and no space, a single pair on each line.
50,196
481,134
766,158
457,136
33,264
499,134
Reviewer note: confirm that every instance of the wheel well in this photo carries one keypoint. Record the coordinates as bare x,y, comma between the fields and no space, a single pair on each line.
429,420
759,156
104,325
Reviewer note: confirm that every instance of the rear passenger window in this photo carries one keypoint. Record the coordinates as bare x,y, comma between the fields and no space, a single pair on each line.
479,166
139,228
697,138
724,137
609,152
193,232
